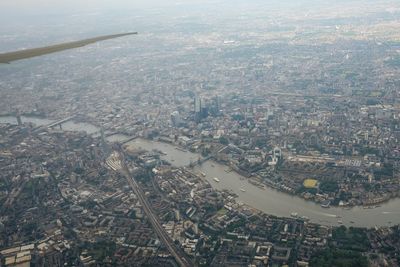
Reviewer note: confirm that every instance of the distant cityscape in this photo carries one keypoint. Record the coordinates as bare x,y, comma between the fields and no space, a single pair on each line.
208,141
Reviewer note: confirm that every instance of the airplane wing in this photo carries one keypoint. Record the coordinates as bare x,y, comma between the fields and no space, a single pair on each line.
9,57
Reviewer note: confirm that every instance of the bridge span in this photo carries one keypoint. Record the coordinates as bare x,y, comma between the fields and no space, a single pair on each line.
59,122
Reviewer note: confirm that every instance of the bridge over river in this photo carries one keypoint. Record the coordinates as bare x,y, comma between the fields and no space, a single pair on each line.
267,200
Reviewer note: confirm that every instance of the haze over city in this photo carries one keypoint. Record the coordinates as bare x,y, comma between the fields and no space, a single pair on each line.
199,133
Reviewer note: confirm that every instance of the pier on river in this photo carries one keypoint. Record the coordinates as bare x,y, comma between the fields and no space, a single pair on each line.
267,200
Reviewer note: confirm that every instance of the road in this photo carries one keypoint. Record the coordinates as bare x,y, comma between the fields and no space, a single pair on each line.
180,257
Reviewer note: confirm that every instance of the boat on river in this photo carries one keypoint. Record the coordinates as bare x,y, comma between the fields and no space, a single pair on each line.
241,189
181,149
305,218
359,217
326,204
216,179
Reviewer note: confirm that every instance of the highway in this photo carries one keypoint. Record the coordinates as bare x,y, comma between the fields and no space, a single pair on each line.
180,257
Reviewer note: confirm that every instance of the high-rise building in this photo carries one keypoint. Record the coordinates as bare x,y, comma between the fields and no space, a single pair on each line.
277,153
215,107
197,104
197,109
177,215
201,109
19,120
176,118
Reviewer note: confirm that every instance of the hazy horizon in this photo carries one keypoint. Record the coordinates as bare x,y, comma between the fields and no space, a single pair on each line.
64,20
224,133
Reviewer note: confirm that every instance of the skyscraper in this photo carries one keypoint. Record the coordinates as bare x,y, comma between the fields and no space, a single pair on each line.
19,120
197,109
176,118
197,104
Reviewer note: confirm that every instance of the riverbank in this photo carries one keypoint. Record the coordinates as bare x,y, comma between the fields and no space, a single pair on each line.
272,201
267,200
262,183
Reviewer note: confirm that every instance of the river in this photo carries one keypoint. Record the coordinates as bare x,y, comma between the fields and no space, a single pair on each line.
267,200
274,202
67,126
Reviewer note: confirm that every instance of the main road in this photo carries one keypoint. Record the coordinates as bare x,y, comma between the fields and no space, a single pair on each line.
180,257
